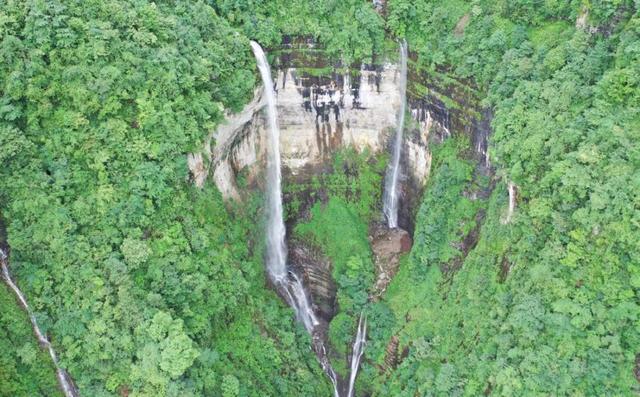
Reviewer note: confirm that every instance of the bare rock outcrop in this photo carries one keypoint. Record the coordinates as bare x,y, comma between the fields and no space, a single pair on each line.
315,270
387,246
317,116
391,354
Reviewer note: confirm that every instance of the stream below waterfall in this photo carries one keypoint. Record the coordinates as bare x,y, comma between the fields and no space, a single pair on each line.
63,377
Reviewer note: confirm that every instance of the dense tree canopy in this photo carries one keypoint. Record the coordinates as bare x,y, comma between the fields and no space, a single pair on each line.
149,286
550,304
135,274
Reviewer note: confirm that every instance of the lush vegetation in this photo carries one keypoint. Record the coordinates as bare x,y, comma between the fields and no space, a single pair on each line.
348,30
344,202
149,286
25,369
549,304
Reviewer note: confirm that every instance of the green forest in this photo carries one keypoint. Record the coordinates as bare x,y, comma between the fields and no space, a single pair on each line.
148,285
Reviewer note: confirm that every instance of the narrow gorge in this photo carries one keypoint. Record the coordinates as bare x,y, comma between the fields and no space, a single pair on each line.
308,118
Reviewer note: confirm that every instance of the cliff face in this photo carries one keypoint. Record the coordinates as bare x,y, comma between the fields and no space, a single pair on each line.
319,112
313,123
323,107
451,106
317,117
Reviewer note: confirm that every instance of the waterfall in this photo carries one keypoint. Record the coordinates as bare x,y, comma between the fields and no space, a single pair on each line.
286,281
390,200
276,259
512,201
276,247
357,351
319,348
481,136
63,377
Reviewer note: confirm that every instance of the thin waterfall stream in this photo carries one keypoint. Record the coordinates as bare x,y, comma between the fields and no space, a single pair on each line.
357,351
390,199
63,378
285,280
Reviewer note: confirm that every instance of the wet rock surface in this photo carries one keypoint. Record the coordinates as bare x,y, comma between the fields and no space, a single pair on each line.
322,108
315,270
197,169
387,246
391,354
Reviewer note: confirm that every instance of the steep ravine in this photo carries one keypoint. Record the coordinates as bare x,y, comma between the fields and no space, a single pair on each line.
323,109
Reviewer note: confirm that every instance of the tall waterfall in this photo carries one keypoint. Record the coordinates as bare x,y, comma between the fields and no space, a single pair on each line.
390,200
287,281
357,351
63,377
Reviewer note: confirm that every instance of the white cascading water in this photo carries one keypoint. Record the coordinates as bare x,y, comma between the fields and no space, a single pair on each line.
512,201
482,148
325,364
390,200
357,351
287,281
65,385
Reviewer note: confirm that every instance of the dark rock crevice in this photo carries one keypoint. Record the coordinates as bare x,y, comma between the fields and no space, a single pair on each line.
315,270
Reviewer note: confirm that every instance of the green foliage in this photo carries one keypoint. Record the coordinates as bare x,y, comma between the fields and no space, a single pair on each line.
230,386
349,30
341,336
25,369
148,286
132,271
356,178
165,354
445,216
546,305
339,227
342,236
262,350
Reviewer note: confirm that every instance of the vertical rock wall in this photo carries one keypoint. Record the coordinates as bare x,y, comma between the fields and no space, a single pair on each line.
317,116
323,107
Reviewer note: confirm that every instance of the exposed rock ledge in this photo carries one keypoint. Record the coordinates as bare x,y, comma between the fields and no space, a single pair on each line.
387,246
315,270
229,146
316,117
